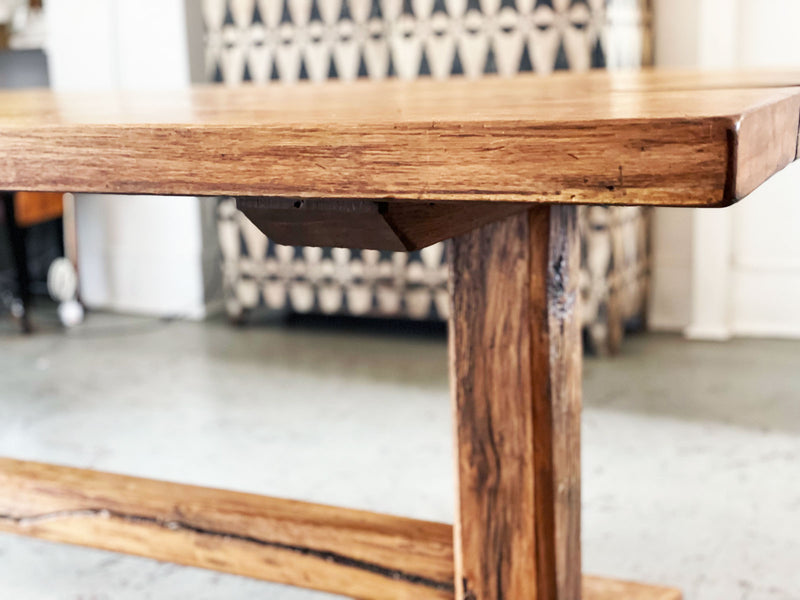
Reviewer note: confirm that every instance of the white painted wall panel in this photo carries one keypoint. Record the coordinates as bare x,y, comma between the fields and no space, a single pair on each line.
743,274
141,254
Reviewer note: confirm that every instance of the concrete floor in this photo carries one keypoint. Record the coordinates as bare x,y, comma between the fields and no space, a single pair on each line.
691,450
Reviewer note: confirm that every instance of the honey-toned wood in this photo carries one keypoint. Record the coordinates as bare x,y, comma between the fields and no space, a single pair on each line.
765,147
670,79
516,373
529,139
599,588
343,551
355,553
368,224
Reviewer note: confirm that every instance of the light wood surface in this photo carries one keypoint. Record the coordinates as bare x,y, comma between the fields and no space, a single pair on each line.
515,371
601,588
342,551
349,552
566,139
672,79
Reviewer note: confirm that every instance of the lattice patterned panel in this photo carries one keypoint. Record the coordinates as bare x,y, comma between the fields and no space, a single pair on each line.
283,41
287,40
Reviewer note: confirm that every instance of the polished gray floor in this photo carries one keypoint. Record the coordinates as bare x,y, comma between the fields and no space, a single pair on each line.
691,450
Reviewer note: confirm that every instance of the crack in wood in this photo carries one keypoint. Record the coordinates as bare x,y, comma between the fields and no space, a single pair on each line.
468,593
561,299
174,525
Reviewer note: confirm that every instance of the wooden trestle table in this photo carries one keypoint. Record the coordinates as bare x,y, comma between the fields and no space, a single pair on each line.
500,166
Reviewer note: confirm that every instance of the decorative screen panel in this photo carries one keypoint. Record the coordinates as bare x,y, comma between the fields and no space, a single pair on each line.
272,42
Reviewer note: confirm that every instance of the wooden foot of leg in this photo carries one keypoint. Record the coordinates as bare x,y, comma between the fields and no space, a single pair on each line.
516,368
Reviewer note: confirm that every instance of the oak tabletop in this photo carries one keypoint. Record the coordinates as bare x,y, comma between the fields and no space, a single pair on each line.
682,138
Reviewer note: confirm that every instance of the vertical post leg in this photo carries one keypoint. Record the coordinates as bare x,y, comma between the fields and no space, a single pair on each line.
515,357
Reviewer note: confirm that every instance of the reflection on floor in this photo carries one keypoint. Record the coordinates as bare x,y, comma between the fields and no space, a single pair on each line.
691,450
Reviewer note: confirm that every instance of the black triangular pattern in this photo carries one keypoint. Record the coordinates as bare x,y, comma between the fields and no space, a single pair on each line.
544,3
508,3
286,16
525,63
274,75
407,8
598,56
217,77
316,309
345,12
298,252
315,14
362,66
491,63
439,6
228,15
332,72
375,11
257,15
246,76
242,245
561,57
474,5
424,68
344,307
457,68
303,71
390,70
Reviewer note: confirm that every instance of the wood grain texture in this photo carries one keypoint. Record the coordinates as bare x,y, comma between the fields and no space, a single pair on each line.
764,147
599,588
675,79
368,224
343,551
515,372
530,139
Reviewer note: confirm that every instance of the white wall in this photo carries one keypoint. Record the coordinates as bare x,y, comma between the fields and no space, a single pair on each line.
739,273
143,254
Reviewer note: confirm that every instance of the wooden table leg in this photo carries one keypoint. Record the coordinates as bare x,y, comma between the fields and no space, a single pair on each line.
516,378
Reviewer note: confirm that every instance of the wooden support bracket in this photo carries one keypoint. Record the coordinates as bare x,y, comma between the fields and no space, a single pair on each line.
368,224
